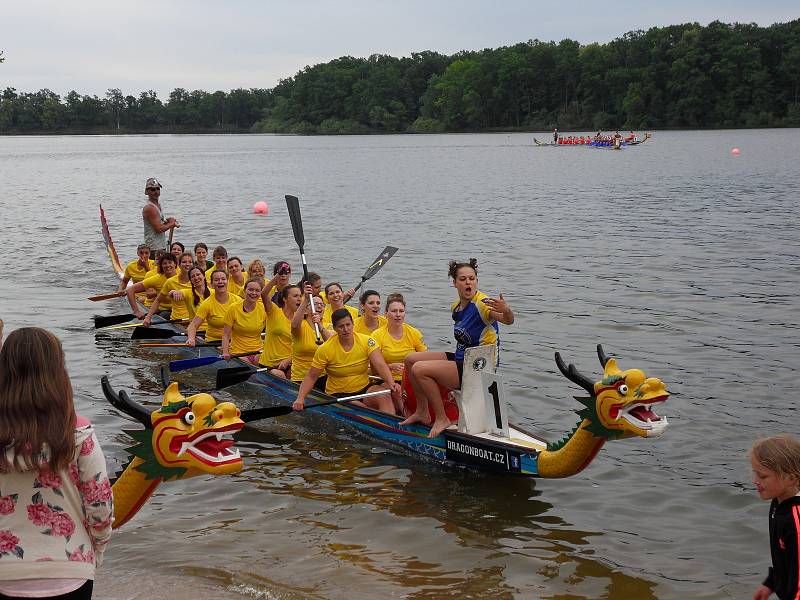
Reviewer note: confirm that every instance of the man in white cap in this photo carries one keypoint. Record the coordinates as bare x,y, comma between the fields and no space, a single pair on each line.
155,225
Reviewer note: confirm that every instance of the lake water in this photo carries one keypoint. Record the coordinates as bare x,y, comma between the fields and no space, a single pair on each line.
682,259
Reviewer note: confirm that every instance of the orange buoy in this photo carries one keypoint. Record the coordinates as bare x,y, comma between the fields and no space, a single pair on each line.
736,152
260,208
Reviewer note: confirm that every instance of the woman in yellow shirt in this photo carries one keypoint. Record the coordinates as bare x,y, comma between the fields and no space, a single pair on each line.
347,358
370,319
304,336
167,265
198,293
243,324
335,296
179,282
236,278
136,270
397,339
256,268
277,353
212,310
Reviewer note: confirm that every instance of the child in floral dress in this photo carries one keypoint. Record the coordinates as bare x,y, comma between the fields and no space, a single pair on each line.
55,496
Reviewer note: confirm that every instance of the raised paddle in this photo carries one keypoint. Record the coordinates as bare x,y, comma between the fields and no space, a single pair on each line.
99,297
293,204
129,325
376,266
106,321
192,363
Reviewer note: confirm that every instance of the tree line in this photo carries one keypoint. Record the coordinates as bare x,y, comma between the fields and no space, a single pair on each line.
721,75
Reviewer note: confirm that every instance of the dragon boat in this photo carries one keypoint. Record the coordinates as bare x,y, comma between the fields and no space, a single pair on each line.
592,144
618,405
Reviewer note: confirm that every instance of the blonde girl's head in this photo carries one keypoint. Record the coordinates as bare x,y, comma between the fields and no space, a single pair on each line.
36,408
780,453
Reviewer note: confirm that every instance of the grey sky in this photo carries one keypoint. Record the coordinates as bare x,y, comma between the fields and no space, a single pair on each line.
93,45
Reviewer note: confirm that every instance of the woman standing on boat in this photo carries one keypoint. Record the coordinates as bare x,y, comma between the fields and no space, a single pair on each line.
475,317
277,352
370,319
335,296
243,324
347,357
179,282
212,310
166,267
304,336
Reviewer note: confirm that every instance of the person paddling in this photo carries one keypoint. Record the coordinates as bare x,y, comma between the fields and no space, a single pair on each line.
155,225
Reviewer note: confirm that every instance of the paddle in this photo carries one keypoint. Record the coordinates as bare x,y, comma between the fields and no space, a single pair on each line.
214,344
234,375
348,399
376,266
105,321
154,333
129,325
293,204
117,294
255,414
192,363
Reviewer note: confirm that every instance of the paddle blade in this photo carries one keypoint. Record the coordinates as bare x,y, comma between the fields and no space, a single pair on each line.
256,414
164,374
105,321
382,259
153,333
232,376
192,363
293,204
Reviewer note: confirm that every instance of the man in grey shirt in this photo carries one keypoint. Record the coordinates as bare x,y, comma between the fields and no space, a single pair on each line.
155,225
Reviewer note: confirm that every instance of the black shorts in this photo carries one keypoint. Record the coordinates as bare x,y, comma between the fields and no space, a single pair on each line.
346,394
459,365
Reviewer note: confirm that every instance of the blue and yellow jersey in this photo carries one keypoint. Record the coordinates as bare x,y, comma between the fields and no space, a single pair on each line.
473,326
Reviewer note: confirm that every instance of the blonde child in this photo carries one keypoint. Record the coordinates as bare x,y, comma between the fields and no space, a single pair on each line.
776,475
55,497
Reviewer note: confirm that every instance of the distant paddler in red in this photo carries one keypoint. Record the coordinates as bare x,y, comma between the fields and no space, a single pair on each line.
212,310
475,317
166,267
155,225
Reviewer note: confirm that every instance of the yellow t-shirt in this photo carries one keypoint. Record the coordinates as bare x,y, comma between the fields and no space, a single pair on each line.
246,326
360,326
304,345
235,288
212,311
395,351
179,310
347,371
136,273
156,281
278,339
326,315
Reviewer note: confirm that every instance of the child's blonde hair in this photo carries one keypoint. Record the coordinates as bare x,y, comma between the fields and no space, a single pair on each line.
780,453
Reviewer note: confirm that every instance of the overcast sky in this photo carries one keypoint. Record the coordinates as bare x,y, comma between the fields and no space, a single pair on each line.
136,45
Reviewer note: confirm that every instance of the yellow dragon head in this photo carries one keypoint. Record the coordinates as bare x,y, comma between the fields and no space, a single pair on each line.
185,436
621,403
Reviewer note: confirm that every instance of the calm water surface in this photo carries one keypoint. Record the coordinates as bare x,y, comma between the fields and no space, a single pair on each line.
680,258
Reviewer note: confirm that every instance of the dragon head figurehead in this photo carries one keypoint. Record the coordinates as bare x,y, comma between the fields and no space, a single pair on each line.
189,436
621,404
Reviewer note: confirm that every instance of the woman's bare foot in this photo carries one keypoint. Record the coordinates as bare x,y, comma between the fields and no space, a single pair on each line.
416,417
438,427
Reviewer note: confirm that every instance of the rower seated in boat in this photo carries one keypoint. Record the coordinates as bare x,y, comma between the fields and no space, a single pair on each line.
212,310
475,317
347,358
165,268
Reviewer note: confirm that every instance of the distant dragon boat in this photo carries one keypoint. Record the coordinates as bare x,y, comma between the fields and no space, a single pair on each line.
617,405
595,144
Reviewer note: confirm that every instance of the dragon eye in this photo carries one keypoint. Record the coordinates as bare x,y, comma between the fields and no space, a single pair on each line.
623,389
188,417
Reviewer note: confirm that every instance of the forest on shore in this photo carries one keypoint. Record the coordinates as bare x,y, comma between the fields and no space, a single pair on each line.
680,76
